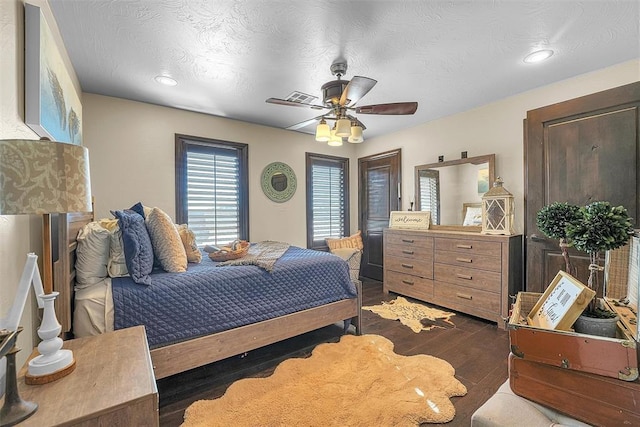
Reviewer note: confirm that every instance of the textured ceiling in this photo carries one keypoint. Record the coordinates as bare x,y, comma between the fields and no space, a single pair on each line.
229,56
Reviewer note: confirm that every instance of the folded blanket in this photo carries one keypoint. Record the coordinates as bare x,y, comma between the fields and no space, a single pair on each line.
263,254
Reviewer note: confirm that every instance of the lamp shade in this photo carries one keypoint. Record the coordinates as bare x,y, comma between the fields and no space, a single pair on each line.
356,135
39,177
335,141
343,127
323,133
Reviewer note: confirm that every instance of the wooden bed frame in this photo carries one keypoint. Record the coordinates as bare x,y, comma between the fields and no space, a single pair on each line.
180,357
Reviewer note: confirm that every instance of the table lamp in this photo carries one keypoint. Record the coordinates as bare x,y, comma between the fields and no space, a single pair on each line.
39,178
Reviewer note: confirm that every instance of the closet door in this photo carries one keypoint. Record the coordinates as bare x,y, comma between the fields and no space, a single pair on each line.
579,151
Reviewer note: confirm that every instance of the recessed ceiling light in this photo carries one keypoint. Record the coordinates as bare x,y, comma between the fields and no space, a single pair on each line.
166,80
538,56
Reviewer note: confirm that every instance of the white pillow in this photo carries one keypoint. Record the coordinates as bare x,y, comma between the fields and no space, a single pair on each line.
166,242
92,254
117,265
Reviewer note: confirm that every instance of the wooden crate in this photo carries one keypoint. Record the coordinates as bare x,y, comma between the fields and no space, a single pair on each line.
611,357
593,399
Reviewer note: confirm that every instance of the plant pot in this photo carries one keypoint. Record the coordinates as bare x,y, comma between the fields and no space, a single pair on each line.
606,327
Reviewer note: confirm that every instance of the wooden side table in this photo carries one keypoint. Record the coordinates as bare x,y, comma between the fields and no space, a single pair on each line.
113,384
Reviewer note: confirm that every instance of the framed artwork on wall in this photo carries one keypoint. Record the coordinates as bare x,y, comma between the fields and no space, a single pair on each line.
52,105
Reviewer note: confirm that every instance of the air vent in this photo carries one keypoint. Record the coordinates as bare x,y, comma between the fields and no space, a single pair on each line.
300,97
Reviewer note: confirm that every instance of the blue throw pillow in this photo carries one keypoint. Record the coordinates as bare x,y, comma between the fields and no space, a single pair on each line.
139,209
138,252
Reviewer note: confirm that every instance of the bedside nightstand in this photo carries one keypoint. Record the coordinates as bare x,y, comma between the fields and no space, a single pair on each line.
113,384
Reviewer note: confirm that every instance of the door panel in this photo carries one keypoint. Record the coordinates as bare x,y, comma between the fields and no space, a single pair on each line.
379,178
579,151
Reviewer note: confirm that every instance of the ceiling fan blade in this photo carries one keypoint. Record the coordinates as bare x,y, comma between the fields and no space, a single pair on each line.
356,88
305,123
395,108
294,104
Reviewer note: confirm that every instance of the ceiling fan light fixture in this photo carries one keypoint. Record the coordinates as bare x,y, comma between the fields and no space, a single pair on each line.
323,133
343,127
335,140
356,135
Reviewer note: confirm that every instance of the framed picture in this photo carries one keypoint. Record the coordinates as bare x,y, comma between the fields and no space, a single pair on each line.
52,106
472,214
483,180
561,304
414,220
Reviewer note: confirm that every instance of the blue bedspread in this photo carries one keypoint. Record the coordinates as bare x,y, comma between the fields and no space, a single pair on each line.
208,299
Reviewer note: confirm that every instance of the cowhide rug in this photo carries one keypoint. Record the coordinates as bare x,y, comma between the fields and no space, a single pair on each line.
418,317
358,381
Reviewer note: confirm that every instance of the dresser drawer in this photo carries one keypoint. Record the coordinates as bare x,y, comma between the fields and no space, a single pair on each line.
469,260
466,297
416,287
468,277
425,254
408,240
469,246
407,266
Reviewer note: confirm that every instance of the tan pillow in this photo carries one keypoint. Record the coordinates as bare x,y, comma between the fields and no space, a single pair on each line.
166,242
353,257
188,238
353,241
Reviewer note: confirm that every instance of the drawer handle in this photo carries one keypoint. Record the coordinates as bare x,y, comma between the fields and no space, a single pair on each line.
464,246
468,260
464,276
407,265
464,296
407,282
407,252
408,240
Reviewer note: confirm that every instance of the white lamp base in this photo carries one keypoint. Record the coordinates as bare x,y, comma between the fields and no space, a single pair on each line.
45,365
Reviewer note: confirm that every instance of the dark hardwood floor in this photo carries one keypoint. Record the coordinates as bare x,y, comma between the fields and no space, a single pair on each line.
477,349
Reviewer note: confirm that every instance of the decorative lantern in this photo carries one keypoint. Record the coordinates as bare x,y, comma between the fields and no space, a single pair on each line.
497,210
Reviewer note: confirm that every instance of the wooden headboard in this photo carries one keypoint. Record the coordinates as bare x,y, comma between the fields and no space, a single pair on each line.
63,239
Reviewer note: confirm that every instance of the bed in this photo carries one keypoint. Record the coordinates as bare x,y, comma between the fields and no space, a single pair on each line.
172,354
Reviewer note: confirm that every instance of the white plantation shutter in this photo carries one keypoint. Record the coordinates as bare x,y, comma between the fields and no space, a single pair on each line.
430,193
327,199
214,193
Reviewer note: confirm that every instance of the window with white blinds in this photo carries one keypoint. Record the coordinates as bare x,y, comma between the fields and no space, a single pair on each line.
212,189
430,193
327,199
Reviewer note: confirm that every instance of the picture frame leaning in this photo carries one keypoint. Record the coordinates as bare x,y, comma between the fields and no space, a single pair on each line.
52,106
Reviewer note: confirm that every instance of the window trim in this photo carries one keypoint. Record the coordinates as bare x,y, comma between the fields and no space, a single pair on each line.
182,142
310,159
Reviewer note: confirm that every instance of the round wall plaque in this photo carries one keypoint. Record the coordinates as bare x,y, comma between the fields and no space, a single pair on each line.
278,182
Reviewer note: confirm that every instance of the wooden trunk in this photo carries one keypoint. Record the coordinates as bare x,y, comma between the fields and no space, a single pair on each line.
611,357
593,399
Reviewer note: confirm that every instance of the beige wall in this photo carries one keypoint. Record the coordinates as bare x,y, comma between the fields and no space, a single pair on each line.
19,235
493,128
131,149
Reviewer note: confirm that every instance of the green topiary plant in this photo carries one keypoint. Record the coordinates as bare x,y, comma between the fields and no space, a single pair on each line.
601,227
552,221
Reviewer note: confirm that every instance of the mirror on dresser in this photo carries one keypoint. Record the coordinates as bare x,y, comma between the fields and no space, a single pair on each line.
453,190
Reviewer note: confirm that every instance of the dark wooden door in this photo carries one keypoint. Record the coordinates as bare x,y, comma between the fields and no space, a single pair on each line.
379,183
579,151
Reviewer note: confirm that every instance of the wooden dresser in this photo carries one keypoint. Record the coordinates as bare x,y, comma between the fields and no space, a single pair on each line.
468,272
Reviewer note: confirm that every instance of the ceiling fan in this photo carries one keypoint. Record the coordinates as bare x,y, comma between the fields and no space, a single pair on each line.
339,98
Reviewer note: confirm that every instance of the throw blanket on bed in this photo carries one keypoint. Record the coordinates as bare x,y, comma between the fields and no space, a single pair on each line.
263,254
